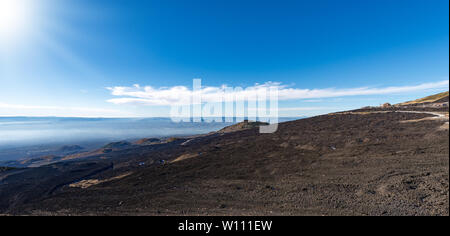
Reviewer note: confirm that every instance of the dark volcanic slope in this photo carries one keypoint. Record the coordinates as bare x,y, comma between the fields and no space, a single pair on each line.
342,164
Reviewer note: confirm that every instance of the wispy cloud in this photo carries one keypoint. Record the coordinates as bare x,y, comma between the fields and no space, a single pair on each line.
27,110
181,95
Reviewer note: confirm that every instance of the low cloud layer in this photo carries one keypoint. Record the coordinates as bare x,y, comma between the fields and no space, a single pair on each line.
148,95
7,109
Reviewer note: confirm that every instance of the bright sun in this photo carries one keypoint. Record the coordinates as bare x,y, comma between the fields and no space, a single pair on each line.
14,18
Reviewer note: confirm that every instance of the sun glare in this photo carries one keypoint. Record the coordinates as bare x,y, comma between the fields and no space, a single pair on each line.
15,18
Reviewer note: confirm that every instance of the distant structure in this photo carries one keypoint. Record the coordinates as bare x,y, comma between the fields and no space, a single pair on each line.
386,105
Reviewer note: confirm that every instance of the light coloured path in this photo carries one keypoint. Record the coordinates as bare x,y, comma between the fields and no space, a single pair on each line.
436,115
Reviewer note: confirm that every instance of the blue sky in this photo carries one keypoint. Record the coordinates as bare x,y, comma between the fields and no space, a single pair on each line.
63,57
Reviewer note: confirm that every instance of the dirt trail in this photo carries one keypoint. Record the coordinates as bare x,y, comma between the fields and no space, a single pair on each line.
437,115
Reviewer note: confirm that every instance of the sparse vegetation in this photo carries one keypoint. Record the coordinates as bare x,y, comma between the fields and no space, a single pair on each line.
429,99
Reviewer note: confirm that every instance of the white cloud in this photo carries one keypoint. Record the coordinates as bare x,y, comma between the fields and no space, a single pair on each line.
182,95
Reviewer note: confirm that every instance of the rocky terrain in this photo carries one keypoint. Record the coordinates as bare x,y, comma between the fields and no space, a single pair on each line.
6,169
389,160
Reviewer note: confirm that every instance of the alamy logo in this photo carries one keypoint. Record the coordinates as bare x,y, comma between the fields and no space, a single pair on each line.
227,104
